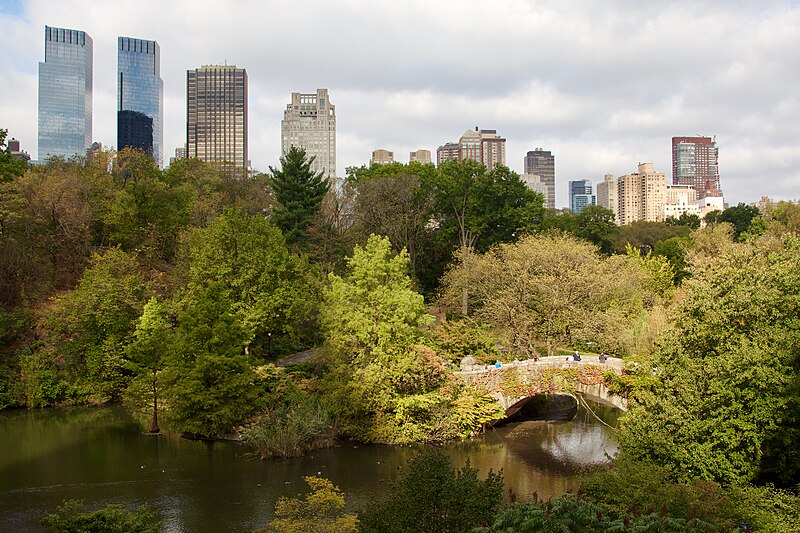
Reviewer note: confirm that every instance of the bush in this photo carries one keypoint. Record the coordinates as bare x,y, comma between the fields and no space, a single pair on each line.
68,518
291,430
433,496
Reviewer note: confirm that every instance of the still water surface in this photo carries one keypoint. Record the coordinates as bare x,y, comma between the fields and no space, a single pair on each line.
100,456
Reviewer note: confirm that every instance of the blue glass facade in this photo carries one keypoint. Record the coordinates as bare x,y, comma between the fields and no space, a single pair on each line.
65,93
580,195
140,89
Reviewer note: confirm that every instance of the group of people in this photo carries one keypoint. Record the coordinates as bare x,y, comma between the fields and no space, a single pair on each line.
577,357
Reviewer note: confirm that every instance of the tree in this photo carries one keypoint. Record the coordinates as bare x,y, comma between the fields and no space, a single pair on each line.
645,235
741,217
725,405
94,323
477,209
433,496
210,385
551,291
299,193
272,292
321,511
146,356
10,167
596,224
685,219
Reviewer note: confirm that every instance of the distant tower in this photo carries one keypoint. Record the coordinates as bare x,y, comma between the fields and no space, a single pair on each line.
695,162
423,156
65,93
641,195
140,97
447,152
493,149
216,117
607,193
543,164
309,122
381,157
580,195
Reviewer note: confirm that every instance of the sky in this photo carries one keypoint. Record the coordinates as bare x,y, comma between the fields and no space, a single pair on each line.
603,85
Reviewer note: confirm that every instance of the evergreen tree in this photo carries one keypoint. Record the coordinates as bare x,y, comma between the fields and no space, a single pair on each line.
299,192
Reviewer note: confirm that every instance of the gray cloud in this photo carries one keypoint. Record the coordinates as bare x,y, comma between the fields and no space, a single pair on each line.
602,85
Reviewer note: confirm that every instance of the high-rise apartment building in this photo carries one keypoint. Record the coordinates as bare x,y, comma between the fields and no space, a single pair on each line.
607,193
484,146
695,162
641,195
216,117
65,93
493,149
543,164
681,199
140,97
381,157
309,122
423,156
581,195
447,152
535,183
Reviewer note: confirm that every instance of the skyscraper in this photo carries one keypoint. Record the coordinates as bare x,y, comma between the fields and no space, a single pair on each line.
543,164
695,162
641,195
484,146
493,149
421,155
309,122
381,156
216,117
580,195
607,193
65,93
140,97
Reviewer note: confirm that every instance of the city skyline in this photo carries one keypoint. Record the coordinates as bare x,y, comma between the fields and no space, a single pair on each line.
601,88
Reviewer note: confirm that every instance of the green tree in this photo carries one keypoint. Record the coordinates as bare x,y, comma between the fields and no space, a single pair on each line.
70,518
94,323
320,511
685,219
299,192
272,292
645,235
10,167
725,405
476,210
146,356
433,496
552,291
741,217
210,385
596,224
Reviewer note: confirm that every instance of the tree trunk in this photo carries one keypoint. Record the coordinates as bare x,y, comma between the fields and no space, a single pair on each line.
154,424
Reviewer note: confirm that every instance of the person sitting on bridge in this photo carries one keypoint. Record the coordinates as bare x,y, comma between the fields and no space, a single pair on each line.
603,358
498,364
576,356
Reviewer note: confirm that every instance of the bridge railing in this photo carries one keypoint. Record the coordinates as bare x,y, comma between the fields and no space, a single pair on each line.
556,361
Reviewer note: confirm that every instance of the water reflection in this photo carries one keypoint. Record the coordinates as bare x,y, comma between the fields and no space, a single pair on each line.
99,455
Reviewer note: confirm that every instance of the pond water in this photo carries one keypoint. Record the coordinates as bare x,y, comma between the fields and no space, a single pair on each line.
100,456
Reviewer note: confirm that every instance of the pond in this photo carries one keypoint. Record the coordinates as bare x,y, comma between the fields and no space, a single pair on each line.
99,455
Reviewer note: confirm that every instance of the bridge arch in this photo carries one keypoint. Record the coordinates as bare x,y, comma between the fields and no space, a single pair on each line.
513,384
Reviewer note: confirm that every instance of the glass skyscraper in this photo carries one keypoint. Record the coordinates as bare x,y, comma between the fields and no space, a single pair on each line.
140,97
580,195
216,117
65,93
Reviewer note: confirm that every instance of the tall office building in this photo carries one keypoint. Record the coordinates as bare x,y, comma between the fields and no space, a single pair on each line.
581,195
534,183
65,93
216,117
543,163
484,146
695,162
309,122
423,156
140,97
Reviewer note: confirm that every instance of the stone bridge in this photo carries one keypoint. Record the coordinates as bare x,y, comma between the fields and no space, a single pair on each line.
513,384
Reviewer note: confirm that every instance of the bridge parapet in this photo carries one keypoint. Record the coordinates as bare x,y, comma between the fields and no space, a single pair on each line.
513,383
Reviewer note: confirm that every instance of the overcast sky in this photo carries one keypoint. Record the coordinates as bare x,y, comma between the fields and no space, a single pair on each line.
603,85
